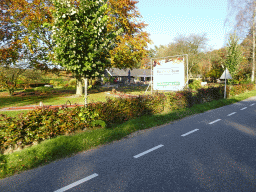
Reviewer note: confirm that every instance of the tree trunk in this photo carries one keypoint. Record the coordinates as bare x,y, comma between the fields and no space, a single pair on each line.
253,44
85,91
11,91
79,87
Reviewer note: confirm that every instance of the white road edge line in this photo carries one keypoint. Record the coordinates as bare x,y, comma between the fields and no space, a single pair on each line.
252,104
231,114
215,121
154,148
77,183
243,108
189,132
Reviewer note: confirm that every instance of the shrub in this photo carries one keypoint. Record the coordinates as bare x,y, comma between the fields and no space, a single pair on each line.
44,89
40,124
115,110
72,82
54,83
179,100
245,82
118,110
99,122
238,89
195,85
98,83
88,116
208,94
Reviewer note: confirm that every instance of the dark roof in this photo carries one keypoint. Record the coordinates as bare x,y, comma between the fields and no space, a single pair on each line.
134,72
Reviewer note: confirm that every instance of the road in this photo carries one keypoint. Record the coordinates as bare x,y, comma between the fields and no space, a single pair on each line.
211,151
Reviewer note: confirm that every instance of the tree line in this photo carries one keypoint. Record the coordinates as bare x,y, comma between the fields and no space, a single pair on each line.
206,63
81,36
87,36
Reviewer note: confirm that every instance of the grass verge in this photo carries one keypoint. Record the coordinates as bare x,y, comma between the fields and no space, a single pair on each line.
66,146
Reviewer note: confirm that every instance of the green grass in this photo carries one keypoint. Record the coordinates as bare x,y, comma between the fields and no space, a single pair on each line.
58,99
14,113
51,99
94,95
66,146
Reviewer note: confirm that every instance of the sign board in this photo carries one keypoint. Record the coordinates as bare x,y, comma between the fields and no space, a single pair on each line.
228,76
169,75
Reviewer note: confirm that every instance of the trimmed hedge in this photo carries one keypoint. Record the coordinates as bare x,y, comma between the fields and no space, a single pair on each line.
45,123
38,125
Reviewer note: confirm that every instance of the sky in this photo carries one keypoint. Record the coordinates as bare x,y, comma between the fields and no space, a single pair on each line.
167,19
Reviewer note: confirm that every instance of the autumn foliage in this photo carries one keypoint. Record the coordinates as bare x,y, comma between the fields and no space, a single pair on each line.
130,47
36,23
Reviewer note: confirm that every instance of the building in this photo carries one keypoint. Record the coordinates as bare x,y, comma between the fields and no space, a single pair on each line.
121,75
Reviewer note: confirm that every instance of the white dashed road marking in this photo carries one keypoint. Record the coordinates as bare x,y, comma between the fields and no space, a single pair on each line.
77,183
136,156
154,148
231,114
215,121
189,132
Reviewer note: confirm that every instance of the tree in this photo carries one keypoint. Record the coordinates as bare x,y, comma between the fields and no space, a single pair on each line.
35,20
204,65
163,51
10,48
245,11
81,37
217,60
234,55
145,63
9,78
10,40
130,46
193,45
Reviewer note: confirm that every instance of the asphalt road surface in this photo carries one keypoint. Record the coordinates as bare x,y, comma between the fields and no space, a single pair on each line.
211,151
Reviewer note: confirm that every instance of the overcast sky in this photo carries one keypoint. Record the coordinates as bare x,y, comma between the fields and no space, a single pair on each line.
169,18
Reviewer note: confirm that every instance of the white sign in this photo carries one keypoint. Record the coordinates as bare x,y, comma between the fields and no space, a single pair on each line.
169,75
226,75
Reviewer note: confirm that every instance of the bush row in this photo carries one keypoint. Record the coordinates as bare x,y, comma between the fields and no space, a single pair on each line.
122,109
182,99
45,123
239,89
38,125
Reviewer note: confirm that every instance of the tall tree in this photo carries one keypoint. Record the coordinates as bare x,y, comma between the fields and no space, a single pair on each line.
234,55
11,47
10,39
130,46
127,49
193,45
145,63
36,26
81,37
245,12
217,60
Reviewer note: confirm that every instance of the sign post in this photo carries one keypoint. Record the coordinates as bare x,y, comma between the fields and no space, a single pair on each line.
225,75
